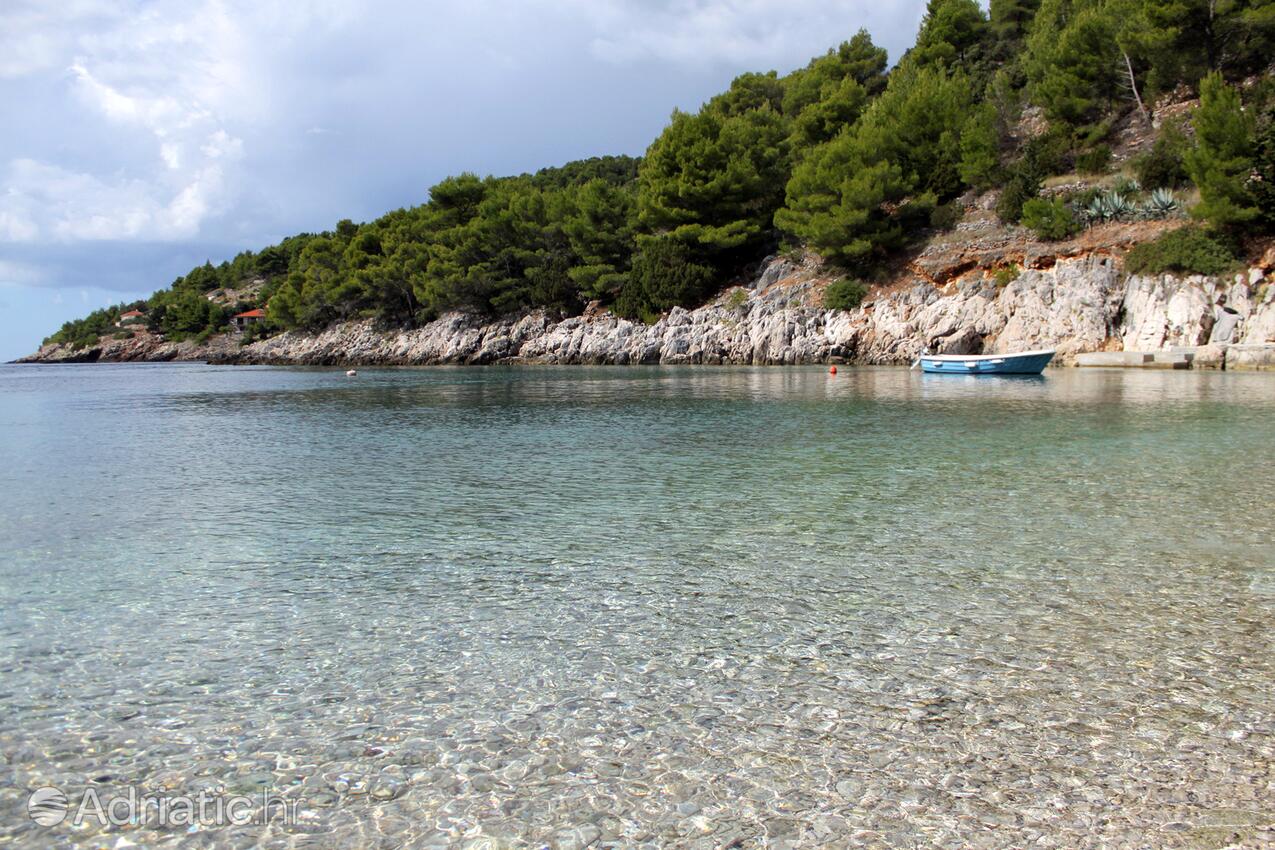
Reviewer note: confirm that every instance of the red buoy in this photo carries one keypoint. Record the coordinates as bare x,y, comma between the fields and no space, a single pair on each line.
832,371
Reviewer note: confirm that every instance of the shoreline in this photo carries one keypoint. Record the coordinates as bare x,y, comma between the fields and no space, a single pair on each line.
1081,305
1266,363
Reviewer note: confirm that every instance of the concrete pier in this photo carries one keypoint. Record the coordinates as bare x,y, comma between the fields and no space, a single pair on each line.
1116,359
1253,357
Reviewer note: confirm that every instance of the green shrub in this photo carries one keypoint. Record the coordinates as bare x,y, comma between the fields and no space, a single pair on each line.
945,216
1021,187
1094,161
122,335
1049,220
1085,197
1096,133
1188,250
1126,186
254,332
663,277
844,294
1049,152
737,298
1006,275
1162,167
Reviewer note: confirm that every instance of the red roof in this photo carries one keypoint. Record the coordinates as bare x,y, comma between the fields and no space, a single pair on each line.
131,313
252,314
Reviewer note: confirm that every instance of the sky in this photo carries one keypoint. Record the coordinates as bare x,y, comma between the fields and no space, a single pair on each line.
142,138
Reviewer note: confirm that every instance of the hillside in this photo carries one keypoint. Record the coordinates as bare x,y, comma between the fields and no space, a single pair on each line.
1057,128
982,291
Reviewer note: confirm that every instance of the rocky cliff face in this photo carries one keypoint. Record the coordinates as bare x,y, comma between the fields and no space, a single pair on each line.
1074,305
142,347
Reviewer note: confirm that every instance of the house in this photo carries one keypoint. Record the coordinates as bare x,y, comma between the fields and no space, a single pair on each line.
132,317
252,317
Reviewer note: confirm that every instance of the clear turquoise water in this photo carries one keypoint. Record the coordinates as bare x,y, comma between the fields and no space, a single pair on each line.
643,607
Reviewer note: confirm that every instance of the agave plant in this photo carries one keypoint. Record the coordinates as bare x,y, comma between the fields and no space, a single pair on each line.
1121,208
1161,204
1111,206
1098,210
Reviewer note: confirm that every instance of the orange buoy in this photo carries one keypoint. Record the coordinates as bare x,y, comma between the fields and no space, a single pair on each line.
832,371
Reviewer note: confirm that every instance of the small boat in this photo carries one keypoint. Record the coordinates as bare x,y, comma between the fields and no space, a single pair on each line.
1026,363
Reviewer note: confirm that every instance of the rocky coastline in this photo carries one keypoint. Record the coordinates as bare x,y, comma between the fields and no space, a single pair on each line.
1075,304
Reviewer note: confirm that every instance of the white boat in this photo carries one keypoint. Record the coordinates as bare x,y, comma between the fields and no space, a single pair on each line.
1024,363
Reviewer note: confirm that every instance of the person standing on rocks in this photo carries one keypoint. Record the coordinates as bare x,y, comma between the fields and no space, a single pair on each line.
1226,322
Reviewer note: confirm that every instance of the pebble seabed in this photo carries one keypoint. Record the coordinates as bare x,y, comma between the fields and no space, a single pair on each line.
774,728
805,679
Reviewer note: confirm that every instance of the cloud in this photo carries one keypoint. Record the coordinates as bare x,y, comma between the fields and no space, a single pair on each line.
143,137
15,226
72,206
166,73
36,35
189,111
18,274
159,114
753,33
221,145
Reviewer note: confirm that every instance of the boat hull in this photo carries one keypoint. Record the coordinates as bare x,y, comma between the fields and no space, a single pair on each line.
1028,363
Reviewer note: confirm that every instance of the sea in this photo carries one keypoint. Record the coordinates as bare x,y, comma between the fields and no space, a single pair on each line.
608,607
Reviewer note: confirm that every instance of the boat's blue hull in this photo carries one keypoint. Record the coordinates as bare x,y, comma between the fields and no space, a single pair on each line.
1007,364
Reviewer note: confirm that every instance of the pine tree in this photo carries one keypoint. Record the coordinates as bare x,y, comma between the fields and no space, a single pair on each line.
1263,183
855,197
1221,163
664,276
599,227
1010,21
1072,59
980,147
714,179
1179,41
857,59
838,106
951,35
830,93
